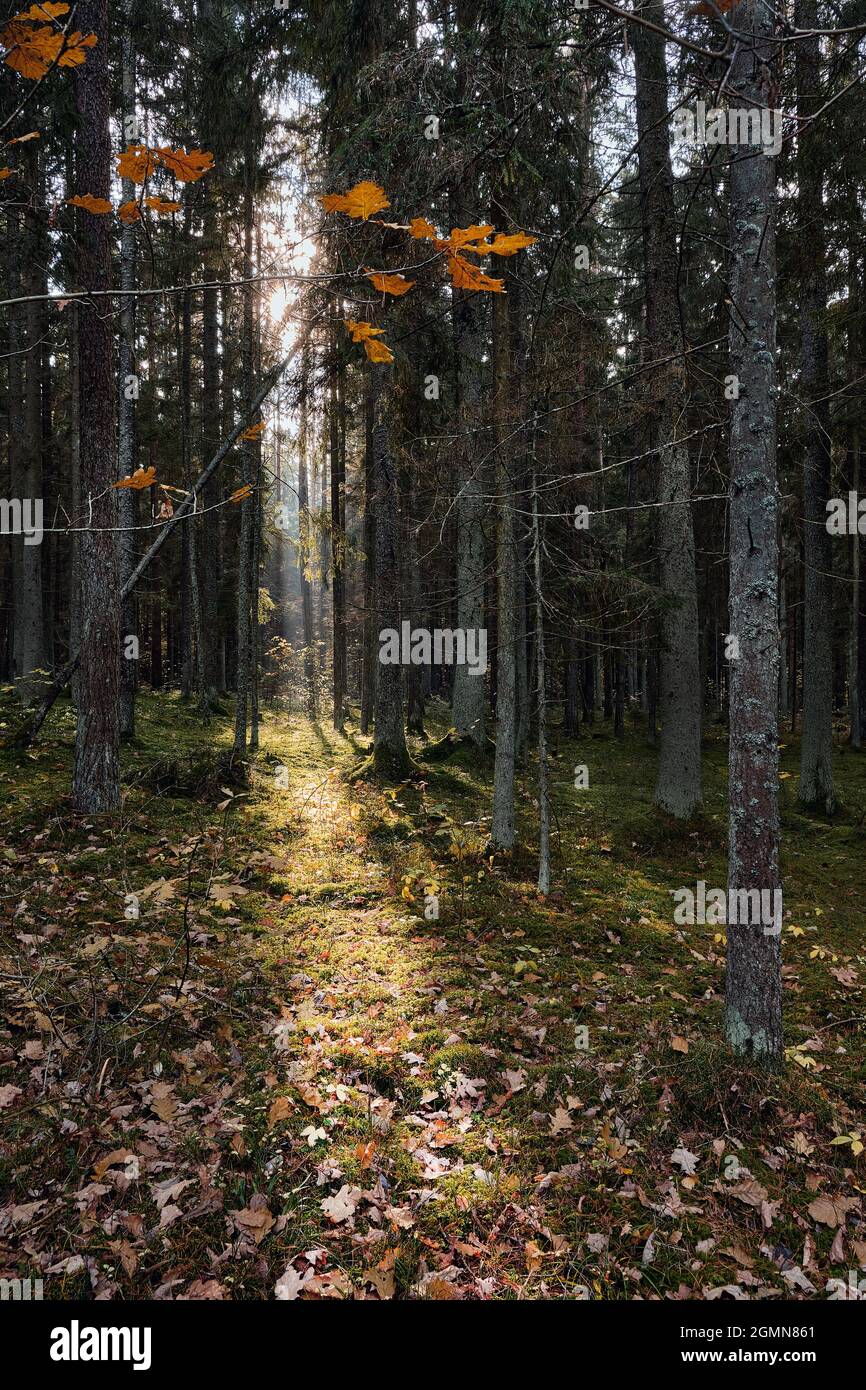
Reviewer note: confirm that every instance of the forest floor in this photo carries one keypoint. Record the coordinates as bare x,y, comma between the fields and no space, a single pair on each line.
280,1078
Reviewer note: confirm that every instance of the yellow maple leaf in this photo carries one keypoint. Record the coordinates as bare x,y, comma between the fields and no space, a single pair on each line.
377,352
389,284
361,201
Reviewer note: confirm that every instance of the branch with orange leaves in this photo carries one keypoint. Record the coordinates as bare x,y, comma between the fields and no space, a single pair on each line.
45,48
34,720
367,198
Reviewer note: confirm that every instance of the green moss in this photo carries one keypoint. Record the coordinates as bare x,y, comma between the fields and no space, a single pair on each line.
515,973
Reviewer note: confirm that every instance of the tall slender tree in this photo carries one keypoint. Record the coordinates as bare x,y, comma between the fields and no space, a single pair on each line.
678,788
96,776
816,747
753,980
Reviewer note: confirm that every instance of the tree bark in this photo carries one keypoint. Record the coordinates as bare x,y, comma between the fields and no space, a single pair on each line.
503,829
338,544
128,394
678,786
753,981
390,754
368,656
816,745
96,775
469,346
305,546
541,676
245,547
25,453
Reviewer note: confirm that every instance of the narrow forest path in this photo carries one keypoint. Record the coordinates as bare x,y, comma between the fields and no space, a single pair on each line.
333,1096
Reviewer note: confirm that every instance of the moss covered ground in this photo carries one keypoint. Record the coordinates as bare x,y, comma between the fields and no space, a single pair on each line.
241,1055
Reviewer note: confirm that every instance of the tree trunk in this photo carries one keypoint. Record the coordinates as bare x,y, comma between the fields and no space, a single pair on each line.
338,545
503,830
305,546
72,330
128,395
678,787
28,652
543,794
753,982
469,346
816,745
208,528
412,588
369,663
246,543
390,754
96,778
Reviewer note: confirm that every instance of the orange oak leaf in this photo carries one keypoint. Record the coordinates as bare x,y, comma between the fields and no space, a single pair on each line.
376,351
361,201
136,163
187,167
361,331
242,493
42,12
98,206
5,173
471,277
74,53
160,205
422,230
253,431
142,477
389,284
503,245
129,212
461,235
31,51
22,139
